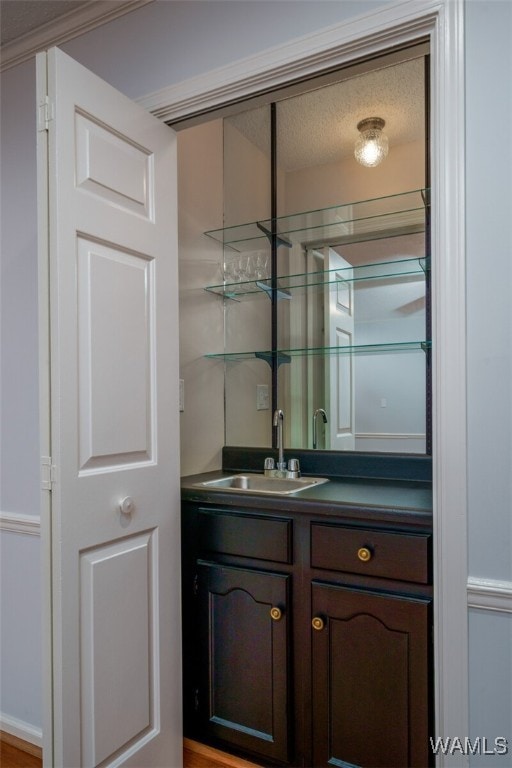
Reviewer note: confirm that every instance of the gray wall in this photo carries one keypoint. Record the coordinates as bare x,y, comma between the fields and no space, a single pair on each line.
19,446
166,42
489,283
489,347
20,603
169,41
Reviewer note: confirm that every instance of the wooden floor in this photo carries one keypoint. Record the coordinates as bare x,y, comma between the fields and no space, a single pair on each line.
14,754
194,756
197,755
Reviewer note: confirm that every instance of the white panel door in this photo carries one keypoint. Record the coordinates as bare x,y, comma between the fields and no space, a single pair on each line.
339,375
114,426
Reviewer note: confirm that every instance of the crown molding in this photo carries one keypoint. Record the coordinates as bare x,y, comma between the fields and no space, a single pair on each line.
399,22
89,16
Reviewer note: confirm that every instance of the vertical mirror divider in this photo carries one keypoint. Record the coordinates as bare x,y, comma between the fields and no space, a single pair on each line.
273,261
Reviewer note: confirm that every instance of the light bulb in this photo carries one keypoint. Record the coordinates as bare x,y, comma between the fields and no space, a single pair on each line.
372,145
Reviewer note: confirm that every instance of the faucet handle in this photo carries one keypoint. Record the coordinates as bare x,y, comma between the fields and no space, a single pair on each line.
269,464
294,467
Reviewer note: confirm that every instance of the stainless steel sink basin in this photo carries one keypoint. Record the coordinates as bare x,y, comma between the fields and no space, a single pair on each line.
253,483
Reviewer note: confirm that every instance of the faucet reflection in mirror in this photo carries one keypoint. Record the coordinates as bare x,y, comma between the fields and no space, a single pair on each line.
318,412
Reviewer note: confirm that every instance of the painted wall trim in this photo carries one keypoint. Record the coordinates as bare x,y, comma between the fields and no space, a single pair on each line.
295,60
15,522
449,377
64,28
390,436
21,729
490,595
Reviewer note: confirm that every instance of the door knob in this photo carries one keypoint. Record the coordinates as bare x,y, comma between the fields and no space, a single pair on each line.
318,623
275,613
127,506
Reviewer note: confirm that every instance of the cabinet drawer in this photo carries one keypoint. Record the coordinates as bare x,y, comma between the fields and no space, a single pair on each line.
401,556
255,536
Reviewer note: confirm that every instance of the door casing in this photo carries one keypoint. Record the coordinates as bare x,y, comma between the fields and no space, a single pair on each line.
398,24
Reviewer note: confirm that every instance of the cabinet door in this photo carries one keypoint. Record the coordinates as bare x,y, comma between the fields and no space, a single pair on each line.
243,696
370,678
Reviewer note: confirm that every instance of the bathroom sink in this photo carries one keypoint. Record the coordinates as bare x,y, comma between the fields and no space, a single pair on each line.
253,483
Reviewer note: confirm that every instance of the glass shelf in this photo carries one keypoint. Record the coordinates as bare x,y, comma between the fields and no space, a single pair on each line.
285,355
403,270
341,222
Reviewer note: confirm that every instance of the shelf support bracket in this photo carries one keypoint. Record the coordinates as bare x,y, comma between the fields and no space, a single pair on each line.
280,293
281,240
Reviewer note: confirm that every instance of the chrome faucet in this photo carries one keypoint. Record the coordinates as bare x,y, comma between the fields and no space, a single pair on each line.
278,422
324,419
281,469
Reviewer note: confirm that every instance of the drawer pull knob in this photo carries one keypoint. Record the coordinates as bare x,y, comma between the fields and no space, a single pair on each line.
364,554
276,613
318,623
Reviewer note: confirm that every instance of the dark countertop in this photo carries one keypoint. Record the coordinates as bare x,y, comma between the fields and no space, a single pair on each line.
366,500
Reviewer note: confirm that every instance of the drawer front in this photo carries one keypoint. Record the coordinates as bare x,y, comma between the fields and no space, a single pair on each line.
401,556
255,536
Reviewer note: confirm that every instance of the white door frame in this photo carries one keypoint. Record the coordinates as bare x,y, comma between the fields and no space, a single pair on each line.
397,23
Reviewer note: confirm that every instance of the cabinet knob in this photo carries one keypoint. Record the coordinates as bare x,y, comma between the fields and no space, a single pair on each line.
127,506
364,554
275,613
318,623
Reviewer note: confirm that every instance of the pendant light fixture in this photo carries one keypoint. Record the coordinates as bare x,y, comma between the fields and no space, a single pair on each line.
372,145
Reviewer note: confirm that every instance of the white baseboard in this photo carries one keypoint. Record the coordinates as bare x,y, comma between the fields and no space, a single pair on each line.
15,522
21,730
490,595
390,436
403,442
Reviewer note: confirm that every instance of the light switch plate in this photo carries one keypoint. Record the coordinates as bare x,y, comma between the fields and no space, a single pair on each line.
262,397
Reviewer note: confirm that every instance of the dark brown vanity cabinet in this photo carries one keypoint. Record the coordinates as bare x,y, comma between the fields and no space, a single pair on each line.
237,581
243,642
307,642
370,678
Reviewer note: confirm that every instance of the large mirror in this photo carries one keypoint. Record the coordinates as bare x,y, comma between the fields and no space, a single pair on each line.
349,311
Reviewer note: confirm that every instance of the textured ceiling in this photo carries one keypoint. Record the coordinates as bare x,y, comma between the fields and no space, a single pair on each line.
18,17
321,126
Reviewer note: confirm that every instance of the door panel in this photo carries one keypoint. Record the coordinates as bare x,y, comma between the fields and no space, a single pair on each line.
339,374
116,358
114,426
117,599
367,693
370,679
112,167
341,390
244,689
